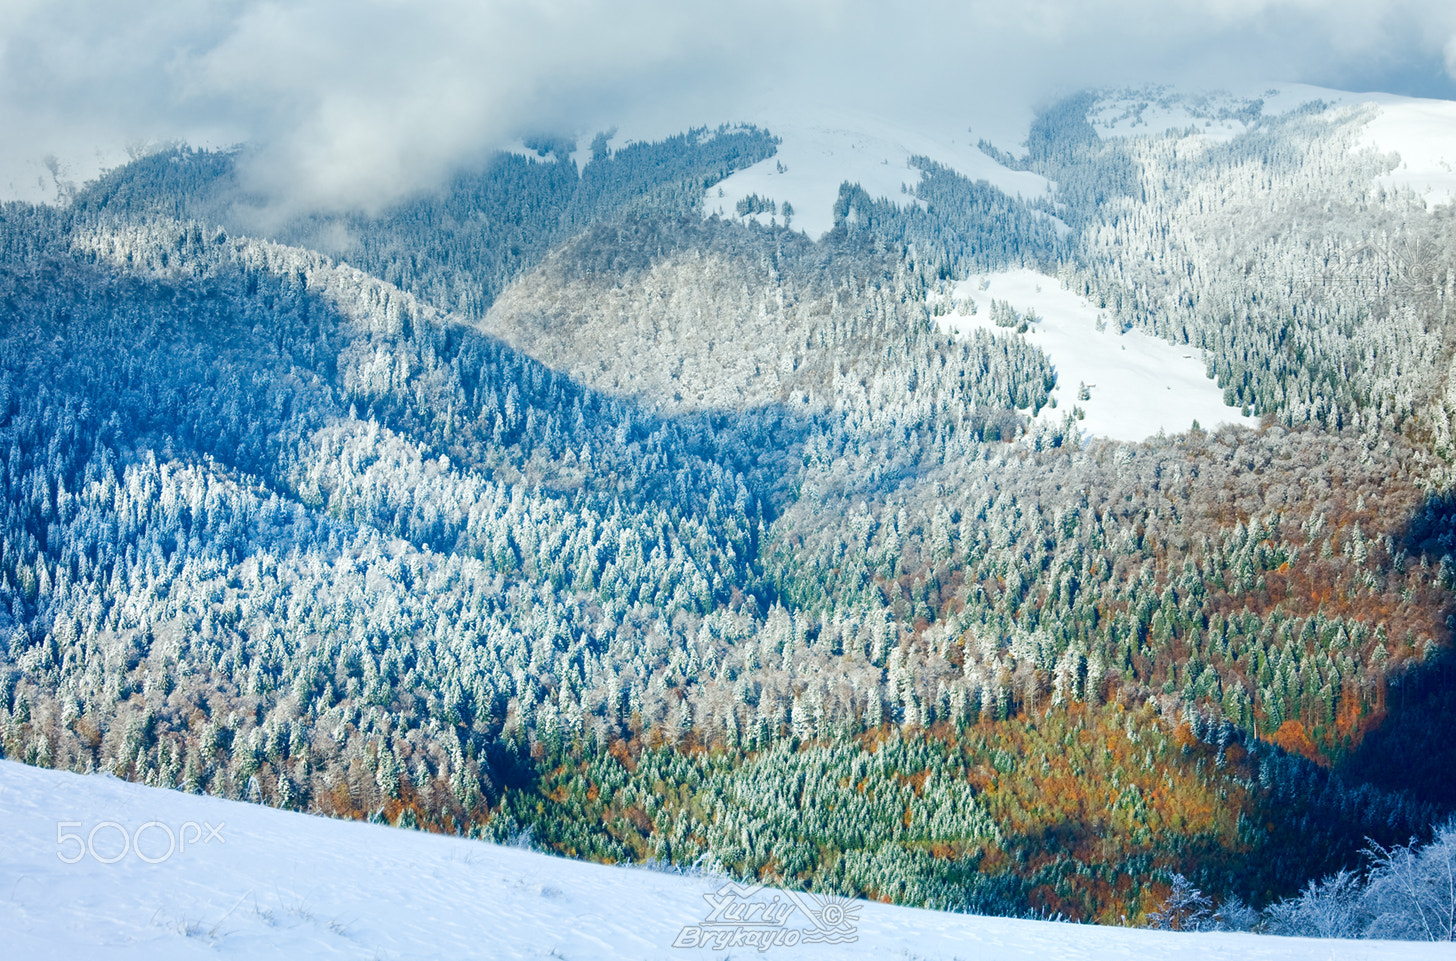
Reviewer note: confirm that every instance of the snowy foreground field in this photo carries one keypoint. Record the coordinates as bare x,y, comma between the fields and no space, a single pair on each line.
248,881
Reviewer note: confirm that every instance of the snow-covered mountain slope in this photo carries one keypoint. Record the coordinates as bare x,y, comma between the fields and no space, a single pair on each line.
825,146
1422,132
820,150
1136,384
207,877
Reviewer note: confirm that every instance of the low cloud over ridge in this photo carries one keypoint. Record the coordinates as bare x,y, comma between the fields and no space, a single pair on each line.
358,103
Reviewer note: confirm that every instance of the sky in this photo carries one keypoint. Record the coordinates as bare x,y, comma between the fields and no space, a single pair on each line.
356,103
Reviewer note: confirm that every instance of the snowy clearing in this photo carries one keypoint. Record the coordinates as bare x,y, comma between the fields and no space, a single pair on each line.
1137,384
823,149
252,881
1423,132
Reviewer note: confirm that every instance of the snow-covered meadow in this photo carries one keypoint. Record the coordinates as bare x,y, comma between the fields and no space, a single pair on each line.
822,149
209,878
1136,384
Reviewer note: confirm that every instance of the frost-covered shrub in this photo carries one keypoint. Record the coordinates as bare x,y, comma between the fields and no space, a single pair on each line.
1412,890
1410,895
1235,914
1327,909
1185,909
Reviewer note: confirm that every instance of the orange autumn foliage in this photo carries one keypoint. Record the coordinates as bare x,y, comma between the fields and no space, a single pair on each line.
1292,737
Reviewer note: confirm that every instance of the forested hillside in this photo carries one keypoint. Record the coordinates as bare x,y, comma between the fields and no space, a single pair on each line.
546,507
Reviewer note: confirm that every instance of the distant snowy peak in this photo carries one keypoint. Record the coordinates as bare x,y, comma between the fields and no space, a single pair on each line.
1421,132
821,150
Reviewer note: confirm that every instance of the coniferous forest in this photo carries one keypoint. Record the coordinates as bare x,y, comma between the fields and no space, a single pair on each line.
544,509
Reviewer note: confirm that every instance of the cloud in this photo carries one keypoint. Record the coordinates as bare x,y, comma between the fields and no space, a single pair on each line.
357,103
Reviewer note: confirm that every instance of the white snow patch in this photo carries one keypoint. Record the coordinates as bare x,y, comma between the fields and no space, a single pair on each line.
284,885
1138,385
822,149
1423,132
